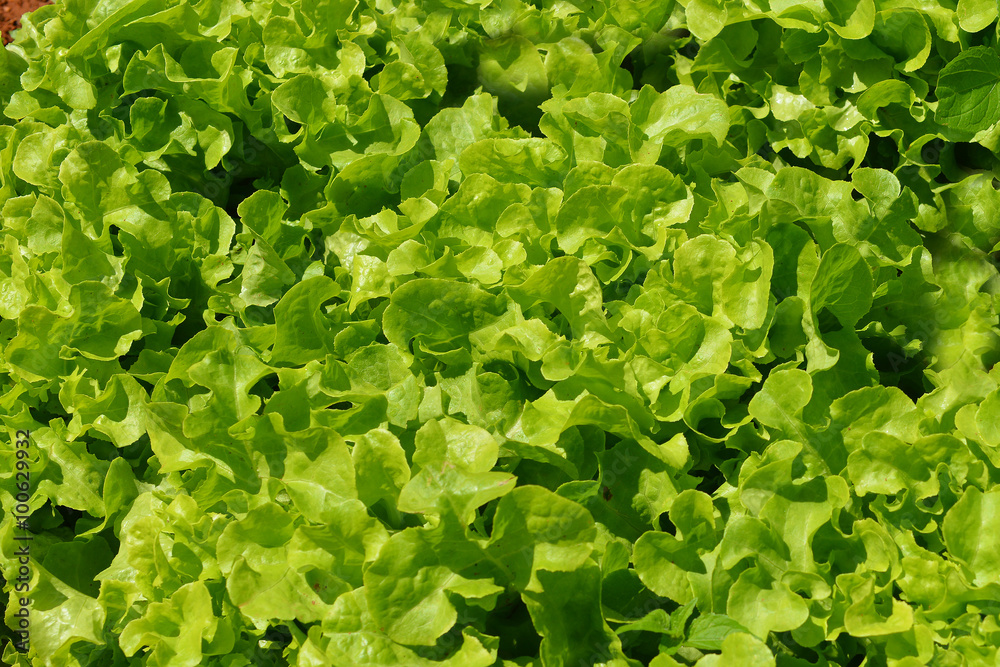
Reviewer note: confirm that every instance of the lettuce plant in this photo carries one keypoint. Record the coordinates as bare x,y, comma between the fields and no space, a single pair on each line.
502,333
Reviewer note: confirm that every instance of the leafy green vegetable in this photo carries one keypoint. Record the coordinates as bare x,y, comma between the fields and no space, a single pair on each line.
967,90
501,334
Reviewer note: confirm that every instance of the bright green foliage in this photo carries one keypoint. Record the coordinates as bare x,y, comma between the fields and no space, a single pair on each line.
966,89
495,333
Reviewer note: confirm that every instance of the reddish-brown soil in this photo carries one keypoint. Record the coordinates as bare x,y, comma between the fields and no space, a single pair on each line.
11,12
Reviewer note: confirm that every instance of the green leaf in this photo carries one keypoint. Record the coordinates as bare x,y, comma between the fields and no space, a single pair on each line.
970,530
565,608
988,419
679,115
537,162
510,65
657,620
191,608
975,15
408,584
764,605
968,100
438,311
740,649
664,564
843,283
709,632
98,326
706,18
569,285
534,530
302,331
902,33
853,19
879,186
887,465
381,466
864,619
884,93
784,395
